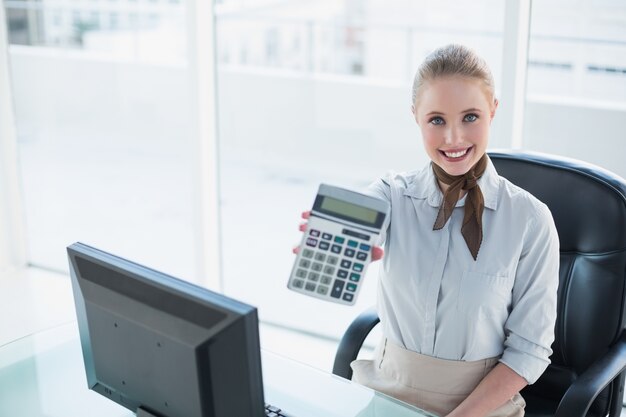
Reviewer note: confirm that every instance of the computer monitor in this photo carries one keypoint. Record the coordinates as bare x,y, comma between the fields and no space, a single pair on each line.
161,346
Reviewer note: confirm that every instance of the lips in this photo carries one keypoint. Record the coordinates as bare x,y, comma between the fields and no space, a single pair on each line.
456,154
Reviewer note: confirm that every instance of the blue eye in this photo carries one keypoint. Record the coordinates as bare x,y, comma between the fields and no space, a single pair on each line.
436,121
470,117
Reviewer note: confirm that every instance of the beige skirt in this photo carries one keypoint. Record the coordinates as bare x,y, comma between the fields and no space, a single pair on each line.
435,385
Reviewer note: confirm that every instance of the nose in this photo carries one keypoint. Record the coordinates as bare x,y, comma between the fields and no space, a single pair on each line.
453,135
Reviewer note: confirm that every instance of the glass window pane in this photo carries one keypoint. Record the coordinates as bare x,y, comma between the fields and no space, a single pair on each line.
576,89
103,120
319,91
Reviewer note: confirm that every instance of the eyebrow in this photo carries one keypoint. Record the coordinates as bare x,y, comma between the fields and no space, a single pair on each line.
464,111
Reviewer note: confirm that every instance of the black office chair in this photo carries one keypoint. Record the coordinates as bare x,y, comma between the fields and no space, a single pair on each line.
586,376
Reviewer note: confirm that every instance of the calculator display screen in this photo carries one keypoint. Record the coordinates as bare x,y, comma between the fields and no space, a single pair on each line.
350,211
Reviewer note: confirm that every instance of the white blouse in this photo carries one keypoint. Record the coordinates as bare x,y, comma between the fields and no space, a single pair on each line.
434,299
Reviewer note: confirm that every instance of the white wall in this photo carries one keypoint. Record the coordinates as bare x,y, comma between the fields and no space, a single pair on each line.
592,132
299,119
105,157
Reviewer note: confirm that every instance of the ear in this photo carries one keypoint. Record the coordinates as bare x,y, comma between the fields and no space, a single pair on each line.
414,114
494,108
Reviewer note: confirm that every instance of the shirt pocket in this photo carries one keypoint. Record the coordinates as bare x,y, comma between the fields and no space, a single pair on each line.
483,293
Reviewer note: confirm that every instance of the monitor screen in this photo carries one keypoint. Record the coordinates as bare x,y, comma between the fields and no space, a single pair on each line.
162,346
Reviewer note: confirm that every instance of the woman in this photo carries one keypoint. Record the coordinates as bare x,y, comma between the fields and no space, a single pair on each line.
467,290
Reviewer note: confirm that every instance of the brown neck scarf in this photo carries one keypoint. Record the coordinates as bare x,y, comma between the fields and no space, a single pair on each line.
472,229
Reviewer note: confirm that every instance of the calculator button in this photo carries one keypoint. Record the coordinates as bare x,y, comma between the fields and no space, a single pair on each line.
317,267
365,247
353,243
311,242
314,233
361,256
330,270
349,252
301,273
320,257
346,264
339,239
332,260
326,279
309,286
348,297
357,267
351,287
307,253
342,273
327,236
335,249
337,288
324,245
322,290
355,277
305,263
314,276
297,283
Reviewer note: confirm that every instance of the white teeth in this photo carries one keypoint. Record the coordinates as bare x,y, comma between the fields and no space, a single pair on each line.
456,154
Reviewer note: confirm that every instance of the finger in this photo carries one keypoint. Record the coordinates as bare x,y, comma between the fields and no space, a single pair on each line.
306,214
303,226
296,249
377,253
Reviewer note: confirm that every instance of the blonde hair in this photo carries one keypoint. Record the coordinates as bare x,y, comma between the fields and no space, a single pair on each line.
451,60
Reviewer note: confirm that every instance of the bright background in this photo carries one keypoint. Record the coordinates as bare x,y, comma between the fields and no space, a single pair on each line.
306,92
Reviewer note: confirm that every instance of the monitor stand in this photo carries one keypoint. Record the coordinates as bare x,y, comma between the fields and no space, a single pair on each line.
141,412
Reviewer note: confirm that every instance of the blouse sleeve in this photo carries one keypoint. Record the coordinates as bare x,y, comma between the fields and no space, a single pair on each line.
381,188
529,328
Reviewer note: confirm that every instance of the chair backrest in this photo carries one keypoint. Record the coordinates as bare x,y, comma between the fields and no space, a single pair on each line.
589,208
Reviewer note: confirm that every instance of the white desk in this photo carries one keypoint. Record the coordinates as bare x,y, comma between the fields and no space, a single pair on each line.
43,375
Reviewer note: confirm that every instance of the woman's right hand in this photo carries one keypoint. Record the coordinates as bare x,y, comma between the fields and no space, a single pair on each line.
377,251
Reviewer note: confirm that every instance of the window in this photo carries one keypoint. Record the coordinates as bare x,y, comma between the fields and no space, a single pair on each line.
104,141
311,92
576,89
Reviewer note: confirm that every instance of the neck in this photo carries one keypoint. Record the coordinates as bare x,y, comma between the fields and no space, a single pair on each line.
478,169
444,187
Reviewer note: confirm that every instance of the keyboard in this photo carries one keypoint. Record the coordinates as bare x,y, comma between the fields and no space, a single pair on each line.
271,411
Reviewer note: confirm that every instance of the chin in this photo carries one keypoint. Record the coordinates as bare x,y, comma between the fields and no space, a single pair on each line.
455,169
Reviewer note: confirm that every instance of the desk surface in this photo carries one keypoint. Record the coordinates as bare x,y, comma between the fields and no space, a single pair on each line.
43,375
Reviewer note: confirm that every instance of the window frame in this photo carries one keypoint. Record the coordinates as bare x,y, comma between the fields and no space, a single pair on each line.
203,68
508,126
13,238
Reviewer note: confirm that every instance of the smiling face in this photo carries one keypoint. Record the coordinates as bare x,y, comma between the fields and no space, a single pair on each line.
454,114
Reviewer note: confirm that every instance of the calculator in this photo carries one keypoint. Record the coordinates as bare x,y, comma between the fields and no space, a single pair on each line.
337,246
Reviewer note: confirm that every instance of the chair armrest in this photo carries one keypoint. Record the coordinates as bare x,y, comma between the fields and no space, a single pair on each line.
352,341
580,395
